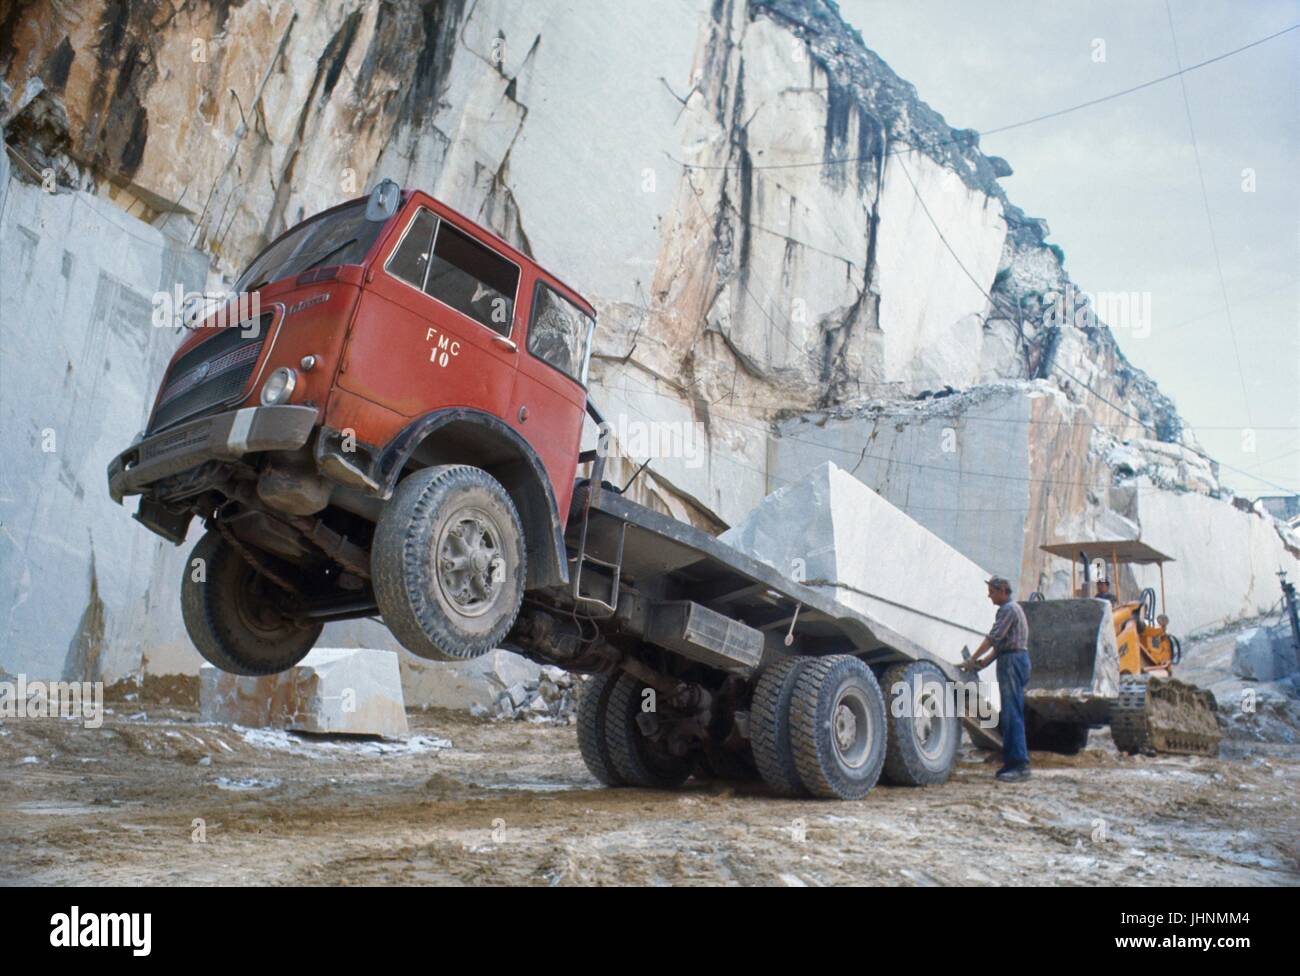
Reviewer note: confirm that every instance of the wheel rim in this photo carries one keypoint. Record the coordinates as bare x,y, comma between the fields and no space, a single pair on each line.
928,723
471,563
257,608
851,728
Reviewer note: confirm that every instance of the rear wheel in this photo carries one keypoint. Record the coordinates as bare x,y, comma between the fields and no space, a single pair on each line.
592,743
922,741
769,727
239,620
837,727
448,563
639,758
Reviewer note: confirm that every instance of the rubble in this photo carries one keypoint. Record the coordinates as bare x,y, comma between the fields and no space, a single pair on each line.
352,691
552,697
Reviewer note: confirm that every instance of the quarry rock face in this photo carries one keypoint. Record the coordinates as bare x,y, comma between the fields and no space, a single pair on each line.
347,691
756,204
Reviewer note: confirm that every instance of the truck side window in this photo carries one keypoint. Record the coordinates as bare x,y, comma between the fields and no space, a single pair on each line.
560,333
472,279
411,259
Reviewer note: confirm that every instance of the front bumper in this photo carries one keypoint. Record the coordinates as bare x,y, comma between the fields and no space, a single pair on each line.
223,436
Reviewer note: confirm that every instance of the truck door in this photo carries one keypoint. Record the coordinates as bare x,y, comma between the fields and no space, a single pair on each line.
550,395
434,325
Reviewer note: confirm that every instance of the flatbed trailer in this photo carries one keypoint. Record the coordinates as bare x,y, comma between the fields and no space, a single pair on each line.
752,672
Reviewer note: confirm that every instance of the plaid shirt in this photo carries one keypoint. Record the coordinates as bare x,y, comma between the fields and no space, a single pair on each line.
1010,628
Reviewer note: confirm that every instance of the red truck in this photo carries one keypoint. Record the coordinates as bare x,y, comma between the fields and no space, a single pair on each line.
397,433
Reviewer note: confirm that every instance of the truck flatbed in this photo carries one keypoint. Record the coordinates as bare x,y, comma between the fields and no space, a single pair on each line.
682,562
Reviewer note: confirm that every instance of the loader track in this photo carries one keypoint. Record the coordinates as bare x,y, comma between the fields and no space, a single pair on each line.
1164,715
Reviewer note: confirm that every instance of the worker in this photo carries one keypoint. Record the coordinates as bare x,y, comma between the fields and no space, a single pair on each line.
1104,593
1008,643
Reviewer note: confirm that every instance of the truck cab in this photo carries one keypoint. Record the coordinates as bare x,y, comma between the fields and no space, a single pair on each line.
385,336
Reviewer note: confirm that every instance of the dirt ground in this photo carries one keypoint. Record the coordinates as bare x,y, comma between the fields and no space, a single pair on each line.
154,797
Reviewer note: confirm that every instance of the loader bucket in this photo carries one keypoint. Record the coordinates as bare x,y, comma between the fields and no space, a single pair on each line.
1074,662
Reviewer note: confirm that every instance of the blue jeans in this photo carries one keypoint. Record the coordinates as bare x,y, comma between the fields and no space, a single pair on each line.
1013,675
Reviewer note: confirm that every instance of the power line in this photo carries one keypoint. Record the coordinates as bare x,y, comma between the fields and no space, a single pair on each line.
1146,84
1251,298
1014,125
1209,218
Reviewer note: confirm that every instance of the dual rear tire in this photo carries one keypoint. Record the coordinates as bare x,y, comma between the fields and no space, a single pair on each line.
923,737
817,727
820,727
618,739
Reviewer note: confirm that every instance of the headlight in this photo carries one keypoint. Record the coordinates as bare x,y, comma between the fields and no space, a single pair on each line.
278,387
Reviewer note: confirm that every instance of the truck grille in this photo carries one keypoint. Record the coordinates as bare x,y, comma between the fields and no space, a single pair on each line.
211,374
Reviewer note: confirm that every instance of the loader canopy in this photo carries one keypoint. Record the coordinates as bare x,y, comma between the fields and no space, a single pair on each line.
1115,553
1120,551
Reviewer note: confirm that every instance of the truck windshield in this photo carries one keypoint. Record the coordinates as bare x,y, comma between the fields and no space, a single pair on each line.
340,236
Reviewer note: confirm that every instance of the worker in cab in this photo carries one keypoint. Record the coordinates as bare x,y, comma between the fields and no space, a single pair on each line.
1104,593
1008,644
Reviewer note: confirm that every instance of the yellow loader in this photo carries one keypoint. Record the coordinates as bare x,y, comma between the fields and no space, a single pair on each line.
1096,662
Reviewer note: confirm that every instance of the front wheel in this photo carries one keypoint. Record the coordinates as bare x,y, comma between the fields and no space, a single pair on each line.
239,619
448,563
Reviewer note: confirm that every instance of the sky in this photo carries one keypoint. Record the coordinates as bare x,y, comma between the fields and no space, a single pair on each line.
1118,182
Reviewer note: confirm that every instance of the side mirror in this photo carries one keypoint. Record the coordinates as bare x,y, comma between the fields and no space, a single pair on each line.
384,201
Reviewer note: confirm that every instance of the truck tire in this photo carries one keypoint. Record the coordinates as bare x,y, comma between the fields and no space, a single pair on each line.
921,746
637,759
592,743
837,727
769,727
235,616
448,563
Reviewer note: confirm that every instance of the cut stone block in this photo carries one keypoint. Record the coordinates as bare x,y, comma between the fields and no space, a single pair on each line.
353,691
1264,653
460,685
837,535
